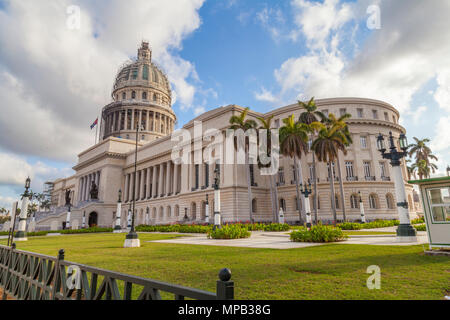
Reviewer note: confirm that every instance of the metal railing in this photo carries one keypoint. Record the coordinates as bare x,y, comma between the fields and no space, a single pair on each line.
32,276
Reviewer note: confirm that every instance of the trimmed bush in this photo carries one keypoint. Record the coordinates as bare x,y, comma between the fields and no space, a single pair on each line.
421,227
418,221
174,228
318,233
232,231
368,225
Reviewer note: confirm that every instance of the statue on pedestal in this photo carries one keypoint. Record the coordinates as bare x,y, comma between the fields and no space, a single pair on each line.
94,191
68,200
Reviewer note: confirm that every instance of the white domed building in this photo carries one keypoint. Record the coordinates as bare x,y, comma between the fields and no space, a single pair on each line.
168,192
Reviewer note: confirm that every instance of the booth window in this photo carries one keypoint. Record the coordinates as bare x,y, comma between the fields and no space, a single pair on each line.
440,204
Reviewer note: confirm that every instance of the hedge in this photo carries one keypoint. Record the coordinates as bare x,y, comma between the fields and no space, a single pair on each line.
368,225
318,233
67,231
231,231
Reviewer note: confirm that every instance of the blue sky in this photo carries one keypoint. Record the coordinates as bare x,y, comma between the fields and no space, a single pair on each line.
260,54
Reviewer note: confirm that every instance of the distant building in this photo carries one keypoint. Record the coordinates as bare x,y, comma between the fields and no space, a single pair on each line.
166,191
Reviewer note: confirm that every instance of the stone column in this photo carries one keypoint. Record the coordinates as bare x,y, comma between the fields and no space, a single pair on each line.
168,176
125,122
127,183
154,191
140,118
132,120
142,193
120,121
138,184
131,186
148,191
147,123
175,178
161,179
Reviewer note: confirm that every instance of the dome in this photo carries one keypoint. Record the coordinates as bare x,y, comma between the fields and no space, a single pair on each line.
142,73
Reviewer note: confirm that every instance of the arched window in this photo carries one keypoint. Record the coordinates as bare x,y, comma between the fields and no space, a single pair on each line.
283,204
390,201
144,95
193,211
254,207
133,95
169,212
354,201
154,213
373,201
177,210
296,203
161,213
155,76
145,72
336,201
155,97
124,95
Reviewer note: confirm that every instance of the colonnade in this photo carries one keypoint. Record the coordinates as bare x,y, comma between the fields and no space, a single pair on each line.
84,187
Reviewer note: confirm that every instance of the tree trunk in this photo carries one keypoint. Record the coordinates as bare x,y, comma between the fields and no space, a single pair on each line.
341,187
316,198
249,187
333,204
297,189
276,197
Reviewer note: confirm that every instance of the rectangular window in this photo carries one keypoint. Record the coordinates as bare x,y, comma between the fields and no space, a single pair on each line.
252,174
281,176
363,142
349,169
311,172
135,73
440,204
367,171
197,168
206,175
383,169
277,123
375,114
394,119
334,169
145,72
360,113
386,116
342,111
325,112
294,173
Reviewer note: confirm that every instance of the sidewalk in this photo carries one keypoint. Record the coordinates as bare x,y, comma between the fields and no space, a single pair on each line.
280,240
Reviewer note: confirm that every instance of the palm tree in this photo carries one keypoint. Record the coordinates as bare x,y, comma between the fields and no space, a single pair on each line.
309,116
326,146
293,142
424,169
240,122
421,150
411,170
340,122
266,124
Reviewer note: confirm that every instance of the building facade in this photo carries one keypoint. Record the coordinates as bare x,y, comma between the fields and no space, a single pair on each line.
168,192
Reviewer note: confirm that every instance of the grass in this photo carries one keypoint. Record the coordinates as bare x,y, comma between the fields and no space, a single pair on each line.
331,271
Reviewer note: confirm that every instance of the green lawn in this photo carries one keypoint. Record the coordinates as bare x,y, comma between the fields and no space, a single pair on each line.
366,233
332,271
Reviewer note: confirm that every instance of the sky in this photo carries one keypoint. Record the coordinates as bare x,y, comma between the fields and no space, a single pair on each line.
58,60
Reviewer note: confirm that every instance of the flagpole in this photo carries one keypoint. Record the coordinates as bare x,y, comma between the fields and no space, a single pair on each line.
96,130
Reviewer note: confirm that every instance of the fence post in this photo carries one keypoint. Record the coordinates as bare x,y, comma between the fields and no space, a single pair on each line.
225,287
8,272
56,283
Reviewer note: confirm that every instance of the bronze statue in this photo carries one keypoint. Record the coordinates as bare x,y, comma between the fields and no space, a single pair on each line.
94,191
68,200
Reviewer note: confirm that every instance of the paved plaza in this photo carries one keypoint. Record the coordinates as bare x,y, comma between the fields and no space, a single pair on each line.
280,240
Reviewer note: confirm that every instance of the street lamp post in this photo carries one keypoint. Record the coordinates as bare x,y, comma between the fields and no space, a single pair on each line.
129,219
68,216
306,192
132,240
21,233
361,208
405,231
207,210
147,216
217,219
118,227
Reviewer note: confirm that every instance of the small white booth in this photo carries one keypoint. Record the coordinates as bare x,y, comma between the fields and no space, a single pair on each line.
435,195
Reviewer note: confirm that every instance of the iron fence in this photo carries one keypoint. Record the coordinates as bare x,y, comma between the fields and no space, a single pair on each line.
32,276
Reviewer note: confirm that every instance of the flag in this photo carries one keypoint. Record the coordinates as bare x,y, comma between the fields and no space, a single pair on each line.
94,124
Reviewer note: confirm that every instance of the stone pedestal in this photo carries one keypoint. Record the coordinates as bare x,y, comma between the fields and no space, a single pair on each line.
132,243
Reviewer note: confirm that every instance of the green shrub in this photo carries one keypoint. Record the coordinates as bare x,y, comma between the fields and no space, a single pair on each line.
368,225
174,228
67,231
418,220
232,231
276,227
318,233
421,227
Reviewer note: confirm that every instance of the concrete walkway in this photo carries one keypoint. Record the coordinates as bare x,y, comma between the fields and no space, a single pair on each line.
280,240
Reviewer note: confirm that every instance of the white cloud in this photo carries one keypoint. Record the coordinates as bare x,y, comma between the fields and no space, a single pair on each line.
265,95
199,110
418,113
54,81
441,142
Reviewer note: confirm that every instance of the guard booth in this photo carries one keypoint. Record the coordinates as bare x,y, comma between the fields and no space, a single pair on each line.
435,195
